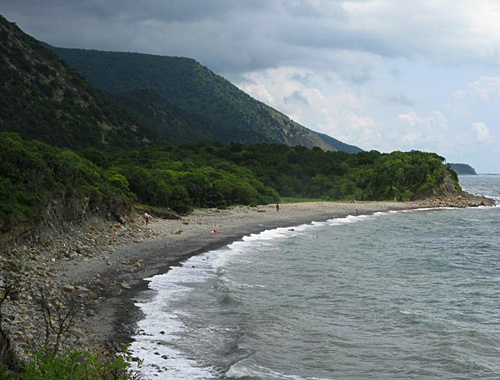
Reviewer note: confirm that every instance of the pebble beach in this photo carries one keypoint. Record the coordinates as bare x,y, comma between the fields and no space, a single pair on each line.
103,264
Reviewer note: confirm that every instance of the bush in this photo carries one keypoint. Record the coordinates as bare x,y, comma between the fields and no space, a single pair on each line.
71,365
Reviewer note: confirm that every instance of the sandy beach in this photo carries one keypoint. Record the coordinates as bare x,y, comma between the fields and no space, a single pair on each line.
116,278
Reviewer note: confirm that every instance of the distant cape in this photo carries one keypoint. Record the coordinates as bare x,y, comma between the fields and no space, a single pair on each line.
463,169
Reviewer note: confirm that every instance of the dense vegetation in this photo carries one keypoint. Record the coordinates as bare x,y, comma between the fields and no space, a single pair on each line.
32,172
71,366
42,98
214,174
203,174
163,90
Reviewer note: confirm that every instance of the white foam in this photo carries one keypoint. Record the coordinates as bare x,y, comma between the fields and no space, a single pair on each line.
253,370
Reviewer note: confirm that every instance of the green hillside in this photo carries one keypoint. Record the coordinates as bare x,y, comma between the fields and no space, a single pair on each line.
217,109
42,98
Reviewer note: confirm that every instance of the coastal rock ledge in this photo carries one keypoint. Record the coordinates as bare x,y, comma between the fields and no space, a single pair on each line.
461,201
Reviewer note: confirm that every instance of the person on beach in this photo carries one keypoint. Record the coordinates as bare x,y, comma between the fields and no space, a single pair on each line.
277,207
146,217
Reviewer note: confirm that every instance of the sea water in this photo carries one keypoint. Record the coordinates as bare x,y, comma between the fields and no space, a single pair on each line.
412,294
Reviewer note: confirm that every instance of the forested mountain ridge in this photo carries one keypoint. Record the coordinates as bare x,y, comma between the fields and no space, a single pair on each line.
42,98
216,109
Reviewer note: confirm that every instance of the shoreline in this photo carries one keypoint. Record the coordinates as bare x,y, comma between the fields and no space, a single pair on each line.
104,264
114,321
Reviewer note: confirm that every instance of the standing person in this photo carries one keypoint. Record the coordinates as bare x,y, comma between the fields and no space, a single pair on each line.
277,207
146,218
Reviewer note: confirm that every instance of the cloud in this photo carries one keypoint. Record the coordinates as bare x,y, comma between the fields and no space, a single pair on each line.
400,99
258,90
410,118
296,98
415,130
304,97
486,88
481,131
243,36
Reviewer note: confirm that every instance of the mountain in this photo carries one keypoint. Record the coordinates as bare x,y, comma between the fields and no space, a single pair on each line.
463,169
42,98
339,145
185,101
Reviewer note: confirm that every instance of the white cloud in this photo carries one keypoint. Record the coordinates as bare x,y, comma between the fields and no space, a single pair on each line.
410,118
307,98
482,91
258,91
487,88
415,130
481,131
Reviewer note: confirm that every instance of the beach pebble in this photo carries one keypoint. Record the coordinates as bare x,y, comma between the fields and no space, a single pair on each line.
68,288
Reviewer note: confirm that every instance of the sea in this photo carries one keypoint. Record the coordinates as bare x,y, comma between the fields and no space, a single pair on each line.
394,295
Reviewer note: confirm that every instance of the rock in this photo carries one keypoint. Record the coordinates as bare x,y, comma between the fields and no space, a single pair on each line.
124,285
68,288
14,295
12,266
77,332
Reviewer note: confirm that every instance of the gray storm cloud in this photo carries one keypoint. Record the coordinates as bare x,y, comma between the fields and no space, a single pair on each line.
241,36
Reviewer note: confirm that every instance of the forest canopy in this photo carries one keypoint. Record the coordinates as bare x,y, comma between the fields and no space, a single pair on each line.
204,174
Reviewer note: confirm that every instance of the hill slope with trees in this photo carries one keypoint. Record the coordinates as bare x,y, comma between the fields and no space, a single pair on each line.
163,89
43,98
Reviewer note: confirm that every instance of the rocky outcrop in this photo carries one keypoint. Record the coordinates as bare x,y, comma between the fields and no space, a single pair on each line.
61,213
449,194
461,200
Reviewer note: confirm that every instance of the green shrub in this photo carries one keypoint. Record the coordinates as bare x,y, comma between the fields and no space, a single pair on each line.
71,366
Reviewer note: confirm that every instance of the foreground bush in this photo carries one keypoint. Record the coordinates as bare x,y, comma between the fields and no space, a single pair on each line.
71,365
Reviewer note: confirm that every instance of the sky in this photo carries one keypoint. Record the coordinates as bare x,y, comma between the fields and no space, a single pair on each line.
379,74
